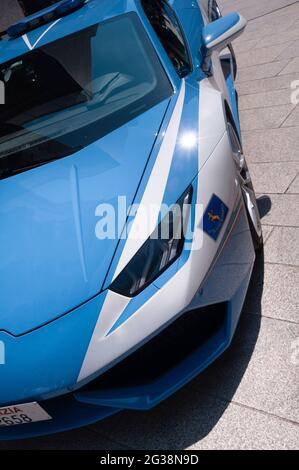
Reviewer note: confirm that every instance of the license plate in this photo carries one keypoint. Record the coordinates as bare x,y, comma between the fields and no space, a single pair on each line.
22,414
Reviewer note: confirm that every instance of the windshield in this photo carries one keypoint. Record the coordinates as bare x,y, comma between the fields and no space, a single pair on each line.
63,96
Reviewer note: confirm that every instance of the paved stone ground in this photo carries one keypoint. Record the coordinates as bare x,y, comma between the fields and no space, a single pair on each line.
249,398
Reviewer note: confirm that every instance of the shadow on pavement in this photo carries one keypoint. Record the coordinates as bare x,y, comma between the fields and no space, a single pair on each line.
264,204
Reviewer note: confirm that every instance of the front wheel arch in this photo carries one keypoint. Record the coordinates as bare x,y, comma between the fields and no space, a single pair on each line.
247,189
230,120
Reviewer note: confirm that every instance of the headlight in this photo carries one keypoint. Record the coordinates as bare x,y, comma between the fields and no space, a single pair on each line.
161,249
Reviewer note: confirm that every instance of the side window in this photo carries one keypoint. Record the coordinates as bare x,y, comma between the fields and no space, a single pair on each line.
166,25
210,9
214,10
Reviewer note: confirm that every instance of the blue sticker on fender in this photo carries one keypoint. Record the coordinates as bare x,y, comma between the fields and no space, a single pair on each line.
214,217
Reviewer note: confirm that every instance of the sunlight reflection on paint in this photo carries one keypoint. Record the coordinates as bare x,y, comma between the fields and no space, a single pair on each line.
188,140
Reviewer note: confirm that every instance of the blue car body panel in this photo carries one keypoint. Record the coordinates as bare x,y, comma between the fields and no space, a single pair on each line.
56,224
49,345
55,273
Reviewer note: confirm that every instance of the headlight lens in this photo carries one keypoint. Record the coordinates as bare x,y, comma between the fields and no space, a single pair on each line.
160,250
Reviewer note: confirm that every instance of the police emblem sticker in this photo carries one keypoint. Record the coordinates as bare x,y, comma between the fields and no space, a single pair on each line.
214,217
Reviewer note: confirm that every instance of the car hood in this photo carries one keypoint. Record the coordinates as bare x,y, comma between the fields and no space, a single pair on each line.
50,258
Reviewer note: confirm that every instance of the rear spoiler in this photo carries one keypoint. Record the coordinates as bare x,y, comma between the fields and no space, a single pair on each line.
52,13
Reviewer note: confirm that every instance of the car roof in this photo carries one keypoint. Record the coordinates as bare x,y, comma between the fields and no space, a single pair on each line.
94,11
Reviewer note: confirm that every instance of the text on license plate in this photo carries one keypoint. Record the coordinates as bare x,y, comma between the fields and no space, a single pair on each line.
22,414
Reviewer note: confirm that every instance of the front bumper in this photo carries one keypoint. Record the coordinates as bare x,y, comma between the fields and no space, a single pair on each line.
190,341
66,412
169,358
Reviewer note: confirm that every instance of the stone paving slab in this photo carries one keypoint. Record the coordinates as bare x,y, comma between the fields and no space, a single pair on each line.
291,51
272,145
283,247
258,369
273,177
267,230
283,210
264,55
196,420
291,34
265,118
294,188
291,67
278,293
257,72
266,99
267,85
293,118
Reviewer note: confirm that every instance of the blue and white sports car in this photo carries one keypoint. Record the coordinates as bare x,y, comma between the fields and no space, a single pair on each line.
128,220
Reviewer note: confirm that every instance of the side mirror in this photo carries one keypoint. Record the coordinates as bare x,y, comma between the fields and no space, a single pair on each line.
220,33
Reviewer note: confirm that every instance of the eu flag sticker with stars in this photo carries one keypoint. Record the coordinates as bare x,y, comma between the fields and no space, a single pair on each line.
214,217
